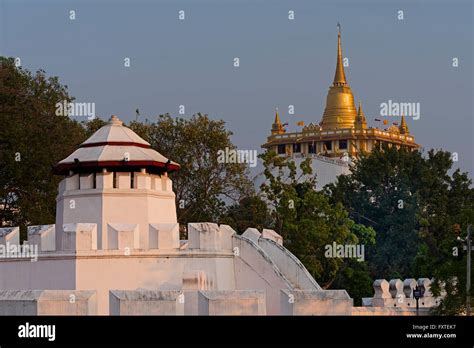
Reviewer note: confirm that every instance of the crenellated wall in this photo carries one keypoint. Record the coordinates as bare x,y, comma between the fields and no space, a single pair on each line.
215,272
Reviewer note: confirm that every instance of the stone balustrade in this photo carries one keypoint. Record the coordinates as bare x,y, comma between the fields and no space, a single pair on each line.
398,293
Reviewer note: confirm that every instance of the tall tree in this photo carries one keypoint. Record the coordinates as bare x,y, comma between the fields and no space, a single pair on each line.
306,219
416,206
251,211
203,185
32,139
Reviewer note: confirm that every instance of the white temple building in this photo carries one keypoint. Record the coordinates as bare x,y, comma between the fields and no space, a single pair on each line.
115,250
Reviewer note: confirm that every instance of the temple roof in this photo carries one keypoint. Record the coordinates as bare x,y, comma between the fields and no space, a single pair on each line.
114,131
115,146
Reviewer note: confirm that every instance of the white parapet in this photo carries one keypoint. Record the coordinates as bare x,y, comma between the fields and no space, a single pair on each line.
146,302
381,288
163,236
232,302
408,286
105,180
44,236
10,235
48,302
142,181
226,236
396,288
400,294
315,302
167,183
123,236
204,236
86,181
272,235
69,183
79,237
156,183
123,180
253,234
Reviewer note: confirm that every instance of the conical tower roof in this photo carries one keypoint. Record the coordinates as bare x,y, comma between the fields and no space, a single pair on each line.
115,147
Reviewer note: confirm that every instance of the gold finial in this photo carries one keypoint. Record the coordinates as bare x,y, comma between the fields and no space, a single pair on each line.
360,112
277,117
340,76
403,126
360,119
277,127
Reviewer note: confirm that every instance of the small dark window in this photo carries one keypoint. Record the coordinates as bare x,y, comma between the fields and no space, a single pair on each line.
343,144
311,148
132,179
94,184
115,180
281,149
297,148
328,145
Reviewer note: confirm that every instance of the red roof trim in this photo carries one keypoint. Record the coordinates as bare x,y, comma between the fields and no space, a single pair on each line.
64,168
116,143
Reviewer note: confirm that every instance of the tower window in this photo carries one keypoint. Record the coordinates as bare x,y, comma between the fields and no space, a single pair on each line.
328,145
281,149
311,148
297,148
343,144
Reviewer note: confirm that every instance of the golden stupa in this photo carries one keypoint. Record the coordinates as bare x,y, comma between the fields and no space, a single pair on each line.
343,128
340,109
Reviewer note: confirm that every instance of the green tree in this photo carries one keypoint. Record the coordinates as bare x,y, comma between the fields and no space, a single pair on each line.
92,126
203,185
354,275
32,140
414,204
250,211
305,218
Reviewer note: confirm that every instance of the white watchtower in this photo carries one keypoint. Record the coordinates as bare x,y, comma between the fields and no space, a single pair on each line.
115,177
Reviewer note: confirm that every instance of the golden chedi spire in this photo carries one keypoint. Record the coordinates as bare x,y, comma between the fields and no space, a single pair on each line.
361,122
403,126
277,127
340,111
339,76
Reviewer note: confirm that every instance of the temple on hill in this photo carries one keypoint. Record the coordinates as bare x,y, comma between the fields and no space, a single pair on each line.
342,132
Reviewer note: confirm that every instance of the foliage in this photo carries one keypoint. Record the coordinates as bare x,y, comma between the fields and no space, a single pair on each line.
250,211
415,205
203,185
32,139
305,218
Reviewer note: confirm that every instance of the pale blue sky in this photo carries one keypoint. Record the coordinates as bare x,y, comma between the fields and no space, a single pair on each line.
282,62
